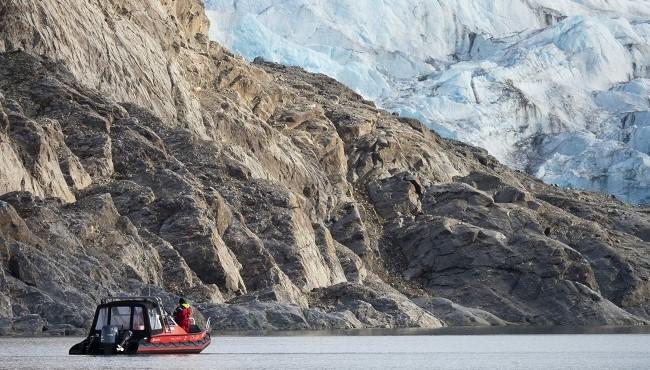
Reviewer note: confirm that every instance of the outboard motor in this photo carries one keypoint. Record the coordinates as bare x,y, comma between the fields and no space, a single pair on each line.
108,338
123,346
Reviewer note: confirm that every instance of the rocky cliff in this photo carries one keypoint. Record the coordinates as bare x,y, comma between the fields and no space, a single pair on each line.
138,157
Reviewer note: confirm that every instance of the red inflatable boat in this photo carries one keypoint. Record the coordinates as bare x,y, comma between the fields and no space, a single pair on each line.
139,325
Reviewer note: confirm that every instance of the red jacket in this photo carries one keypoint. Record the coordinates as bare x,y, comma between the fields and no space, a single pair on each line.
182,317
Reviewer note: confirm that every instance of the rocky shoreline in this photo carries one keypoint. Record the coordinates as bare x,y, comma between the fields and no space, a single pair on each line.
137,157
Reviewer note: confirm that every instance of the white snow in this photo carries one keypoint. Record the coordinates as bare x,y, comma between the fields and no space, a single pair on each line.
559,88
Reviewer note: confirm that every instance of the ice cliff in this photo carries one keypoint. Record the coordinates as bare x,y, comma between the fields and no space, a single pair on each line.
556,88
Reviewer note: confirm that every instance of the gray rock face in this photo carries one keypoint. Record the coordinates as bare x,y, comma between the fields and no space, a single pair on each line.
396,196
285,229
318,319
29,325
256,316
453,314
35,157
374,305
6,327
353,267
349,230
498,266
137,156
154,35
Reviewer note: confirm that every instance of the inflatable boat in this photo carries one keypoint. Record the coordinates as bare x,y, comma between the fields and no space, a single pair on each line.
139,325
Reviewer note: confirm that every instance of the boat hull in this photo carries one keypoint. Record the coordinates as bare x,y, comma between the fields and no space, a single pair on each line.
174,344
167,343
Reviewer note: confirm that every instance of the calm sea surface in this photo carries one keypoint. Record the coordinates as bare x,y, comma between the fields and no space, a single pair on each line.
455,349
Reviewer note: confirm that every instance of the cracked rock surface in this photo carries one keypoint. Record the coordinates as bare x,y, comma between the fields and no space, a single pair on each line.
137,157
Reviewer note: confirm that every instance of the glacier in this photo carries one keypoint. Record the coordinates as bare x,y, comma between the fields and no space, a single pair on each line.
557,88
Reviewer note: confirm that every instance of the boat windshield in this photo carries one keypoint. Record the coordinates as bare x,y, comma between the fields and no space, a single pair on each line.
121,317
102,318
138,318
154,320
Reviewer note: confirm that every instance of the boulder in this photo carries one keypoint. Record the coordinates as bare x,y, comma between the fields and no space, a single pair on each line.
511,195
396,196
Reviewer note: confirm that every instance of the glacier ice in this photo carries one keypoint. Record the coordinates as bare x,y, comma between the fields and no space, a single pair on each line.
559,88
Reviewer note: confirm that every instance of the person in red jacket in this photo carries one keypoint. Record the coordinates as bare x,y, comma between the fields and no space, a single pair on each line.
182,314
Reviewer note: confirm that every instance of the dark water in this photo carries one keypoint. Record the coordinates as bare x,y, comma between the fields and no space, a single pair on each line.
425,350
